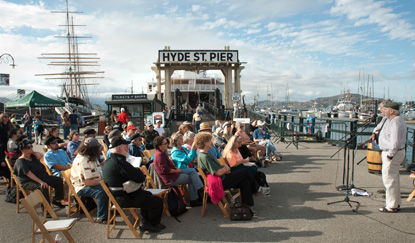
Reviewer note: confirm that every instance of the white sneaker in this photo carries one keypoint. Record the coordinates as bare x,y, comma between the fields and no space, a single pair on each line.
264,190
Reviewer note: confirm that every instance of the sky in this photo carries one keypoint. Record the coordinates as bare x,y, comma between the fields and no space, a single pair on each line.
317,47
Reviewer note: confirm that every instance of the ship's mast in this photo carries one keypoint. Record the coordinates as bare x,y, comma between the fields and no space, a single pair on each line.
73,77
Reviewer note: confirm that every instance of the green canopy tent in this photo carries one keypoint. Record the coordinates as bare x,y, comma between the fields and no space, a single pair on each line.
34,99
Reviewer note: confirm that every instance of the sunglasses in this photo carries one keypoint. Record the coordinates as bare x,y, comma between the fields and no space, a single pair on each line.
55,142
164,143
28,146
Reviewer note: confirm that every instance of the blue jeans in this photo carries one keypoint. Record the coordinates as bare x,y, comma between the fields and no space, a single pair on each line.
197,126
65,131
29,133
74,127
102,199
189,176
269,148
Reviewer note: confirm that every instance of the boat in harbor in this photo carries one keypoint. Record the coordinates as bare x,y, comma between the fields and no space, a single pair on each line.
76,67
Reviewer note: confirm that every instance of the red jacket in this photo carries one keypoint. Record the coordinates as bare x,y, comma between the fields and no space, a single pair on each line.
123,117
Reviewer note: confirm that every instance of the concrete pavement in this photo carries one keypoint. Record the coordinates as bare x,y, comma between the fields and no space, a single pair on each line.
296,211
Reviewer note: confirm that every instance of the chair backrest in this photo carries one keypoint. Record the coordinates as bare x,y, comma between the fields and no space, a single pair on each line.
105,150
72,192
149,152
46,166
31,203
222,161
149,180
203,175
104,154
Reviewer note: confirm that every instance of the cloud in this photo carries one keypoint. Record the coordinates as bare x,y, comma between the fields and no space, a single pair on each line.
369,12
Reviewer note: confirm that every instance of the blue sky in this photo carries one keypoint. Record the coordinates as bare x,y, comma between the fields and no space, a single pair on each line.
317,47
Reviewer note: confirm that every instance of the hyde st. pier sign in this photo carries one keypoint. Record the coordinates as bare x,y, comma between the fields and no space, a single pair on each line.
168,56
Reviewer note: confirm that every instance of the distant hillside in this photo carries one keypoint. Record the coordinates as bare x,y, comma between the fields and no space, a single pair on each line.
321,102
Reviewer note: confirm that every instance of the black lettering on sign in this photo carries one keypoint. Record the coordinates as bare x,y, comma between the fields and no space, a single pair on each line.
187,56
212,56
223,57
166,56
196,56
229,55
173,56
203,56
180,57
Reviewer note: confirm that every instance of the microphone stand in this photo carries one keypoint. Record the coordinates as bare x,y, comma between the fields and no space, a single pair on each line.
347,146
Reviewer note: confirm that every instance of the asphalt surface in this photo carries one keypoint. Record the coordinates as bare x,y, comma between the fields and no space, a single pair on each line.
296,211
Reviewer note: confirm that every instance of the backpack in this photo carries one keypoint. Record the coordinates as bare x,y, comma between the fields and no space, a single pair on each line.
11,195
261,178
176,203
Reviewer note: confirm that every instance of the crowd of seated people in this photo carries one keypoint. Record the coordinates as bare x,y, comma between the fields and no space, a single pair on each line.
188,151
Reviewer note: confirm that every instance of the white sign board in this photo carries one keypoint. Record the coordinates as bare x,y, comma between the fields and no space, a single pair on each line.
242,120
183,56
236,97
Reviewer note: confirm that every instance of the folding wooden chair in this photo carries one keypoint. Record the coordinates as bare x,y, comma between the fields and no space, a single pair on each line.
46,166
19,187
105,150
223,206
113,208
31,203
78,205
149,153
156,192
104,154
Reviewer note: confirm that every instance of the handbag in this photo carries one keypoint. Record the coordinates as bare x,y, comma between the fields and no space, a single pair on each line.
241,211
131,186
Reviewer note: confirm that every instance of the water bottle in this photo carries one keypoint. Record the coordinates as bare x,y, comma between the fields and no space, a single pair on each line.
58,238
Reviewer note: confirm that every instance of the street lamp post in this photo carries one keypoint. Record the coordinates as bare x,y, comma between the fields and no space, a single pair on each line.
6,59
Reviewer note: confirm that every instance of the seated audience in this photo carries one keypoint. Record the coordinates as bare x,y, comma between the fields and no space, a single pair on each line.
33,176
116,171
107,131
86,173
159,129
131,130
181,156
56,159
73,144
218,141
11,143
90,133
227,131
262,137
218,123
248,148
241,179
184,127
54,132
113,134
149,135
117,124
214,152
172,176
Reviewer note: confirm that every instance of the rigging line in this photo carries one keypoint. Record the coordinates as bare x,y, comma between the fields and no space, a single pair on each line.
384,224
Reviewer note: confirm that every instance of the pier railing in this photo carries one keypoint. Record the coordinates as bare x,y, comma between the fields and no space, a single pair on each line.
293,129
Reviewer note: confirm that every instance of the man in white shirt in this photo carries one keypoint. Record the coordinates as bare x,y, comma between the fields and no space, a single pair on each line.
392,140
159,129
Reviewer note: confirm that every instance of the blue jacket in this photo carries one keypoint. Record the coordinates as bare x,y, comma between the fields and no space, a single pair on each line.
214,152
181,159
259,135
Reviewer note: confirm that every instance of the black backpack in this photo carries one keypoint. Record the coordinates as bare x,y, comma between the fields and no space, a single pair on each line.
261,179
11,194
176,202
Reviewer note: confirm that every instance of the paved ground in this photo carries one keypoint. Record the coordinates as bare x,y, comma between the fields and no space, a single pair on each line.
297,211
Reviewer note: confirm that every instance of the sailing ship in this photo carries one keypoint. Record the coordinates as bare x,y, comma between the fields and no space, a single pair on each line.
76,66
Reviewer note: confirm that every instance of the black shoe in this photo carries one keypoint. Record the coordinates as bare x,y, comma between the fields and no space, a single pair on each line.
160,226
149,228
58,204
195,203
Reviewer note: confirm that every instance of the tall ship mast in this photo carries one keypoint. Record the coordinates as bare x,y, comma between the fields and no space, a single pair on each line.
76,67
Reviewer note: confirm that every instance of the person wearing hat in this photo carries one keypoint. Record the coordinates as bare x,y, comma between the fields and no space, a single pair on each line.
33,176
262,137
159,129
218,141
227,131
392,140
131,130
123,117
116,171
112,135
86,172
56,159
90,133
149,134
214,152
135,148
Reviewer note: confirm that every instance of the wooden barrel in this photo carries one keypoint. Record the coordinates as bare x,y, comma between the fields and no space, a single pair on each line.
374,159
